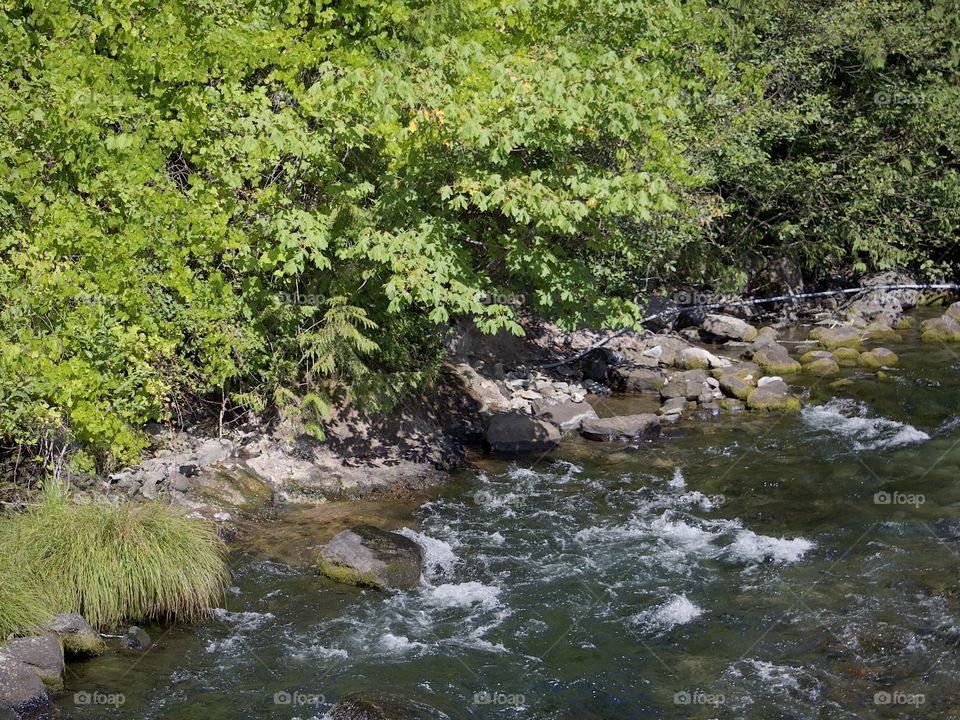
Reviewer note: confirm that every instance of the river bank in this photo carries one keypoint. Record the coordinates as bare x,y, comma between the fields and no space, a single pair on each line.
282,503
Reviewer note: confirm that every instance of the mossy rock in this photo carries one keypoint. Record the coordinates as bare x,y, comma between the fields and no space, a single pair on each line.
942,329
880,330
368,556
840,336
903,323
235,488
773,397
42,654
953,311
774,359
822,367
840,384
732,405
878,358
814,355
846,356
79,638
735,386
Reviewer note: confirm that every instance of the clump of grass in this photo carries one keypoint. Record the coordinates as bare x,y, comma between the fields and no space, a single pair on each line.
24,607
114,563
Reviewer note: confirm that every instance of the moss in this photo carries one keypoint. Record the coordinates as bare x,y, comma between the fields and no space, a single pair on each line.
846,356
942,330
878,358
347,575
80,645
822,367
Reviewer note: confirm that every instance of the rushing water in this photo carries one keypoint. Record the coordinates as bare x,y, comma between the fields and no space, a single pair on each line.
742,567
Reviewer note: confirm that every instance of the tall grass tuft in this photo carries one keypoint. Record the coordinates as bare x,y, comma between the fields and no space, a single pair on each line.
117,562
24,607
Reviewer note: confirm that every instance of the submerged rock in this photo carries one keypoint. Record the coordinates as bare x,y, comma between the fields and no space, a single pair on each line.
22,693
366,555
516,433
380,706
846,356
822,367
42,654
77,635
621,427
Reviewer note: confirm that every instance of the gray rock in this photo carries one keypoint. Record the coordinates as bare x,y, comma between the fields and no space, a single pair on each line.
514,433
78,637
43,654
22,693
621,427
135,638
726,327
366,555
674,406
638,379
180,483
569,415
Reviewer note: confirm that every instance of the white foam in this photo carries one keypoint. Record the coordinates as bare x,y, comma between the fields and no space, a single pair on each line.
750,547
242,622
463,594
677,481
849,420
438,556
399,644
678,610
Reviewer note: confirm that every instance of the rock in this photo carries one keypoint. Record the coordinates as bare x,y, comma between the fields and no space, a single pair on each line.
514,433
773,396
486,393
380,706
846,356
813,355
881,330
907,298
878,358
953,311
179,482
22,693
621,426
366,555
834,337
78,637
775,359
568,415
694,357
737,385
876,304
729,328
596,365
528,395
638,379
674,407
234,488
731,405
43,654
941,329
822,367
135,638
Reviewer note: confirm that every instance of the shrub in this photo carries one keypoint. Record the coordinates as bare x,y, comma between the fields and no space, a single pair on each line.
24,608
115,562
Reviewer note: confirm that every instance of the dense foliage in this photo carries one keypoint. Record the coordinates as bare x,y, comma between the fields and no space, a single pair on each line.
253,203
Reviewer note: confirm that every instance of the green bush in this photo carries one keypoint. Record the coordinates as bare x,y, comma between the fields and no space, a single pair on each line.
111,563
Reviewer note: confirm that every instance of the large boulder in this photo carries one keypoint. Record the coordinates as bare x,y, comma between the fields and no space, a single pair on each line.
381,706
941,329
368,556
834,337
22,693
516,433
726,327
77,635
625,427
773,358
43,654
568,415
